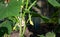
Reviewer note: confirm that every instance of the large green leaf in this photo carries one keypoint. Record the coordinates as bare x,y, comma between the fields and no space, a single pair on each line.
12,9
8,25
54,3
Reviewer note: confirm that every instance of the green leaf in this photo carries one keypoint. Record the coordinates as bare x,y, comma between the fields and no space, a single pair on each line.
12,9
50,34
41,35
7,24
54,3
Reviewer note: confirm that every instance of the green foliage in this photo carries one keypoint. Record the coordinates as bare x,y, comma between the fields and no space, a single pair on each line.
42,36
49,34
7,24
54,3
13,19
12,9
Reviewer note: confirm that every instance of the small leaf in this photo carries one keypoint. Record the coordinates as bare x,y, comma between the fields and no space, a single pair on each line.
41,35
50,34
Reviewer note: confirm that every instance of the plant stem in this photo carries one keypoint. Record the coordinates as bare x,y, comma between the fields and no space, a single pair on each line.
27,4
20,22
31,5
24,28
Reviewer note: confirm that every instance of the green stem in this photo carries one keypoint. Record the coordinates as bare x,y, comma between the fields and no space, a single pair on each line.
24,28
27,4
31,5
20,22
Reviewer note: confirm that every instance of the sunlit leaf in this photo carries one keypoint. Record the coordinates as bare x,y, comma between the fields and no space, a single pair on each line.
12,9
54,3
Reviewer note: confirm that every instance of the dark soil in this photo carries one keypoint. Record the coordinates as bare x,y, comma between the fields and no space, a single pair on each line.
31,31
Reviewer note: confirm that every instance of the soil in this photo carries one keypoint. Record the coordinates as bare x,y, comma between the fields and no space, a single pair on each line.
31,31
